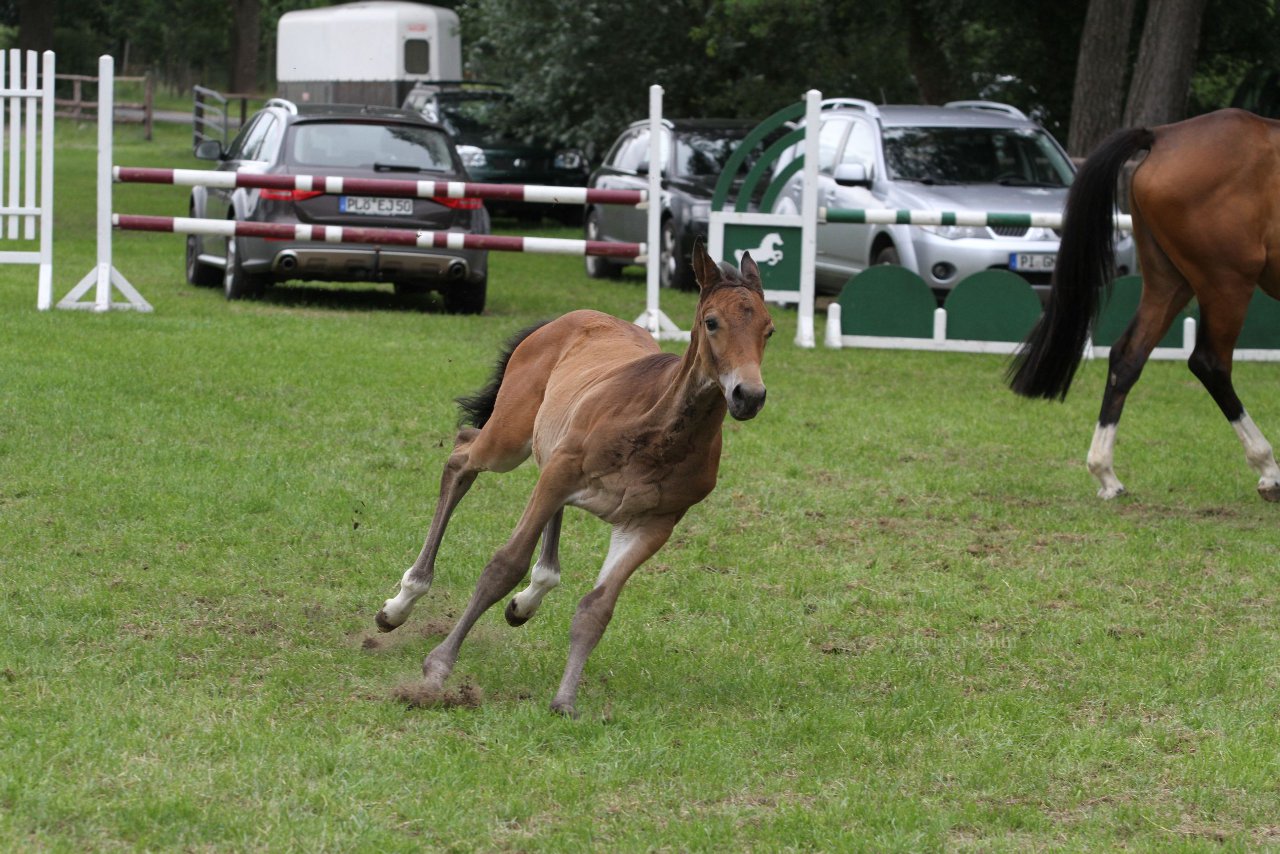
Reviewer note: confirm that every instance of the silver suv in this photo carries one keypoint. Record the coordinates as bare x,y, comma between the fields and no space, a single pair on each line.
963,156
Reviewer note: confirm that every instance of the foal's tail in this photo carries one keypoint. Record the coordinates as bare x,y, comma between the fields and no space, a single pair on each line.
475,409
1047,360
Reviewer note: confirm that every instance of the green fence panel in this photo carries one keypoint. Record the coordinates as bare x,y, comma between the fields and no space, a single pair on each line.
993,305
1118,311
1261,325
887,301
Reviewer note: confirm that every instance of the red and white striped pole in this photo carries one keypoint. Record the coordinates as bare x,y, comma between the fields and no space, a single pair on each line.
384,236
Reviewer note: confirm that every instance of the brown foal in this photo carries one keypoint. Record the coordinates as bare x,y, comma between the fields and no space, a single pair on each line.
618,428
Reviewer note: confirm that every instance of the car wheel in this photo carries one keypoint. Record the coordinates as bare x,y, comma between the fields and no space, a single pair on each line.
197,273
466,297
887,255
236,283
598,267
675,271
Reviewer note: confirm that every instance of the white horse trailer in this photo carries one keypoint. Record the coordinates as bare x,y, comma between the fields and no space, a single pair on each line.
365,53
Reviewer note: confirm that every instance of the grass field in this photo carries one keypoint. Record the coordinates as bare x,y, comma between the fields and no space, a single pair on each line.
902,621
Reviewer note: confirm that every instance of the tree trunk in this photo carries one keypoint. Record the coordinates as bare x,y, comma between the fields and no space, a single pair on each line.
1097,101
35,24
925,58
245,37
1166,60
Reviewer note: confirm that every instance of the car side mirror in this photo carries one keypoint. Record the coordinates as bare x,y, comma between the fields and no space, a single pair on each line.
642,169
852,175
209,149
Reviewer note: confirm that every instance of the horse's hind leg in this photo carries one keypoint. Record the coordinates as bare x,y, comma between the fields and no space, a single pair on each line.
1220,324
474,451
545,576
1165,292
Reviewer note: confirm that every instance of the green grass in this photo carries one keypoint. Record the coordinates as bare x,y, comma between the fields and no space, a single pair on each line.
901,622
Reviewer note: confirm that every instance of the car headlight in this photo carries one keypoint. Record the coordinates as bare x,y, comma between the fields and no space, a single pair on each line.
569,158
956,232
471,155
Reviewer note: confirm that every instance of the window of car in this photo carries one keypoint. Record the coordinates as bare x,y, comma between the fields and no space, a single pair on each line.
830,138
632,151
947,155
385,147
860,146
703,154
248,143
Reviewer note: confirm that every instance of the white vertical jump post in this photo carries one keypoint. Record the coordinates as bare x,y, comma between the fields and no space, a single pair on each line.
104,274
653,319
29,201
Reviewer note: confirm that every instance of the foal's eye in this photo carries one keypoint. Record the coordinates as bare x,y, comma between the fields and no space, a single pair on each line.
712,324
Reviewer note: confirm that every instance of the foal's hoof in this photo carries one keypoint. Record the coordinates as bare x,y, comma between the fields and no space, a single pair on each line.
514,619
565,710
1107,493
1269,491
385,625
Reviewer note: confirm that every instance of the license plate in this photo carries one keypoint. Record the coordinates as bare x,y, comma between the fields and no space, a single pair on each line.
1032,262
375,206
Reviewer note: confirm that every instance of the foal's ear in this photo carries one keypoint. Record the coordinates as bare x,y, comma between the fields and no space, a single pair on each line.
750,272
706,271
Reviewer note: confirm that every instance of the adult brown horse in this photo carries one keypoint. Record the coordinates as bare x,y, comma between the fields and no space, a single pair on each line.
1206,220
617,428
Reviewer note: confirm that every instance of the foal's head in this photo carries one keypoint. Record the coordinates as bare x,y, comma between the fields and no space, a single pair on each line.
731,330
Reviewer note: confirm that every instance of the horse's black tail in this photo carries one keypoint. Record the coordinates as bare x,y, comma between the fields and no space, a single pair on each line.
1047,361
475,409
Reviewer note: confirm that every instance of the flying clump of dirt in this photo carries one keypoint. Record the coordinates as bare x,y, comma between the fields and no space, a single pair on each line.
417,695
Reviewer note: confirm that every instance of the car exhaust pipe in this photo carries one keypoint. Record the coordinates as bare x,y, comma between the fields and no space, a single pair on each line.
457,271
287,262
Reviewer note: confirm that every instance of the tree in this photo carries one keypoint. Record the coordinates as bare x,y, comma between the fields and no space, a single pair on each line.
1097,100
246,36
1166,62
35,24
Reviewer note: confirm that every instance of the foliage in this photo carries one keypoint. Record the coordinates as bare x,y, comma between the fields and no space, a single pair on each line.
902,622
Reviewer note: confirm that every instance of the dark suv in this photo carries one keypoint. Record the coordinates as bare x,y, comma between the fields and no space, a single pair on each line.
349,142
693,152
471,112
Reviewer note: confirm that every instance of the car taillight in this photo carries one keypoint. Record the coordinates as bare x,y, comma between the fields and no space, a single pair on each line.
289,195
464,204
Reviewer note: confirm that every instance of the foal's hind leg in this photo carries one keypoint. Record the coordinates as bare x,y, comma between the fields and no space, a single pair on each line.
1220,324
474,451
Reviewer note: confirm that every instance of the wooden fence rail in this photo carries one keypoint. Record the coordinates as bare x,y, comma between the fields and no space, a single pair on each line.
77,107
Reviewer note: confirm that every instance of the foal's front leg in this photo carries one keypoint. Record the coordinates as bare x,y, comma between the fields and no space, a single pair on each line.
505,569
631,544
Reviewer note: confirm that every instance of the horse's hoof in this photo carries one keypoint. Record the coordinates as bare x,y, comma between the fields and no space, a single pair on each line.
565,710
385,625
1107,493
514,619
1269,491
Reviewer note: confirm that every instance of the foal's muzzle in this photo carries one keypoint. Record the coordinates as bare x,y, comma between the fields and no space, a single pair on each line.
746,400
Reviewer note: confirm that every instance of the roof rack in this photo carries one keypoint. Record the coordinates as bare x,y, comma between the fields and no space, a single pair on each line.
851,103
284,104
988,106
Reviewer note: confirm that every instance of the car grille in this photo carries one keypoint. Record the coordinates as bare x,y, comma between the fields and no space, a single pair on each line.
1010,230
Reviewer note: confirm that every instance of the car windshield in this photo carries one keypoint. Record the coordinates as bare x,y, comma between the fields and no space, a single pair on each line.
703,154
471,113
1022,157
365,145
